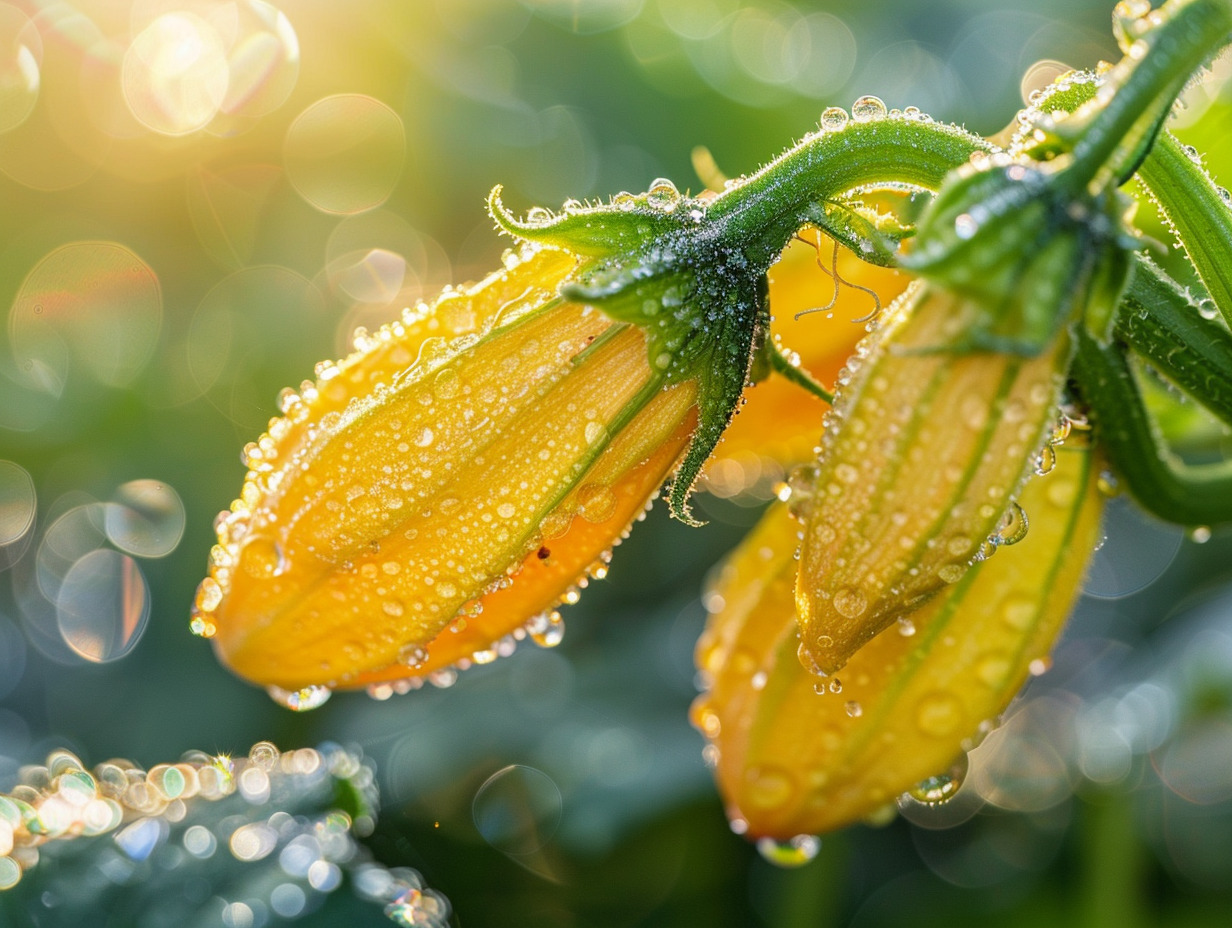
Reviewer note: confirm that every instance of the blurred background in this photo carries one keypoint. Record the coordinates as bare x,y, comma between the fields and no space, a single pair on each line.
200,199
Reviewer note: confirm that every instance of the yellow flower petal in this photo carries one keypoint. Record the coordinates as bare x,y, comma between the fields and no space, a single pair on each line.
801,755
920,462
420,475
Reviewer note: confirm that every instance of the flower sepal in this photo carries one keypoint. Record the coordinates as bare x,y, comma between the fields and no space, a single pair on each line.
696,288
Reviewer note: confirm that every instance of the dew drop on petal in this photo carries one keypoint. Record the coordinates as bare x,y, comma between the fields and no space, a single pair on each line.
850,602
833,118
939,714
301,700
868,107
794,852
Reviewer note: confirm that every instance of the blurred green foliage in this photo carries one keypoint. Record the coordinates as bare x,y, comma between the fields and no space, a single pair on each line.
275,226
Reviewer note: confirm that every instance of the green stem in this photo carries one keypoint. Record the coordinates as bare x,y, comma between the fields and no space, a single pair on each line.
1114,131
1201,218
767,209
1161,323
1162,484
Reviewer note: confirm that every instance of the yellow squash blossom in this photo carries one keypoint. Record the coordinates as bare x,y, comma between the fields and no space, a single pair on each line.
919,465
440,487
798,754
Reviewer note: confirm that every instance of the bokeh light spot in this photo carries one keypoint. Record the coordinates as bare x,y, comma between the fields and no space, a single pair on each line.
175,74
95,304
21,57
517,809
344,153
103,606
263,61
17,506
1136,550
145,518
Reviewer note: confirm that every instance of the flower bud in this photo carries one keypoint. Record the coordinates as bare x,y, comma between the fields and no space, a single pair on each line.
796,754
448,482
921,459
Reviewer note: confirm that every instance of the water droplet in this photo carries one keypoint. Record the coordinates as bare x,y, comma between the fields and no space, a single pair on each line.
595,433
951,573
262,557
596,502
993,669
867,107
906,627
939,714
833,118
517,810
447,384
301,700
770,787
413,656
941,788
1019,613
1014,525
547,629
663,194
1046,460
1200,534
794,852
854,709
850,602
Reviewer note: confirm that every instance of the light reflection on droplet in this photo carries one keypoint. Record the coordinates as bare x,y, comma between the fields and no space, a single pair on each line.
344,153
96,305
18,504
21,57
145,518
103,606
517,809
175,74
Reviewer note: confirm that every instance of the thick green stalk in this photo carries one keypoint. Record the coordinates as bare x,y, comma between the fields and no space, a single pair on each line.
768,208
1160,482
1198,212
1160,322
1113,132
